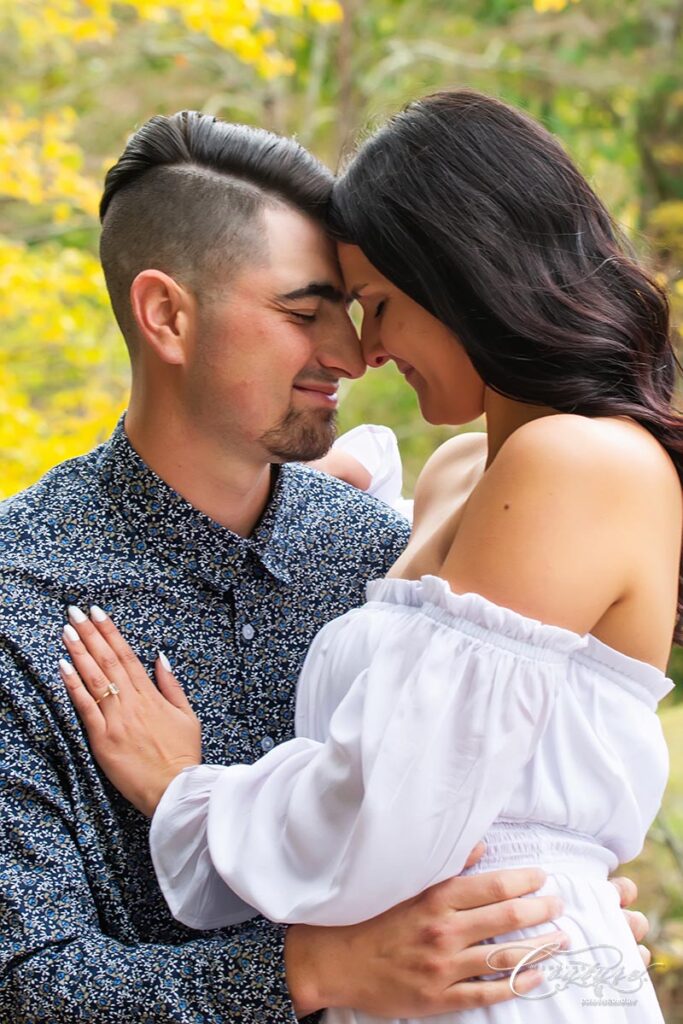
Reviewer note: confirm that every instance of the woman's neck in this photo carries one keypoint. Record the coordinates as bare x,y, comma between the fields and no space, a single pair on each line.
504,416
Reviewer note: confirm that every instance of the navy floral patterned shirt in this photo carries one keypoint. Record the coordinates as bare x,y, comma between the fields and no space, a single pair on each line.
85,934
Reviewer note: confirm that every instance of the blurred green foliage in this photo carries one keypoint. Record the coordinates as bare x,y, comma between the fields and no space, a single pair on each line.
658,872
76,77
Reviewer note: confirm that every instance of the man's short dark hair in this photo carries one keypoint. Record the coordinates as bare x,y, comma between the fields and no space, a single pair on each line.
187,197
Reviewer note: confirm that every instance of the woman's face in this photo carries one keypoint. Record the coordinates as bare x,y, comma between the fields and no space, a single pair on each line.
426,352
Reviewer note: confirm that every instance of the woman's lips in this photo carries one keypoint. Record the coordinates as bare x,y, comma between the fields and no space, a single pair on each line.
404,368
407,370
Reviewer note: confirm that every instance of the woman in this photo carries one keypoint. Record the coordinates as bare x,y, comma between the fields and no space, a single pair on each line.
503,680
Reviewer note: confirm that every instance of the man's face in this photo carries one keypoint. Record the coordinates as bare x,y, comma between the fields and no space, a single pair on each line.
270,350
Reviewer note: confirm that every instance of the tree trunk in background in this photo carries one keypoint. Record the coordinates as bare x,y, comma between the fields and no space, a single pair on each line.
347,107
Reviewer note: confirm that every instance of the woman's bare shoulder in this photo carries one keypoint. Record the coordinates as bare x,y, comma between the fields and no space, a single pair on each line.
554,527
469,444
458,462
616,452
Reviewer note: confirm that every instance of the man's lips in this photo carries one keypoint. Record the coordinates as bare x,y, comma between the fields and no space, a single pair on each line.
323,389
325,394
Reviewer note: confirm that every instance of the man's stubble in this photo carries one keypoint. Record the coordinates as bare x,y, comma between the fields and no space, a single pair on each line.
301,436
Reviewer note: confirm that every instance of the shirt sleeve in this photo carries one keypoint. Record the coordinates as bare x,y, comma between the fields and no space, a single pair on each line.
376,448
56,962
421,757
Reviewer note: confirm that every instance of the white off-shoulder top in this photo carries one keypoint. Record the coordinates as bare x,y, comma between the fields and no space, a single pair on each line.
425,721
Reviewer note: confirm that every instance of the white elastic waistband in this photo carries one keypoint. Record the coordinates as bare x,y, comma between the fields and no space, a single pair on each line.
511,844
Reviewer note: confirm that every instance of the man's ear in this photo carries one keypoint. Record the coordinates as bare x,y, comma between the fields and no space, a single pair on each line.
164,312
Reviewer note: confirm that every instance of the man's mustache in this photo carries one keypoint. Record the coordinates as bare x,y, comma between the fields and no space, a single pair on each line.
316,377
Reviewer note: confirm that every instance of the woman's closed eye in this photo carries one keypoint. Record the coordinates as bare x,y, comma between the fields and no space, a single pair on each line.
380,308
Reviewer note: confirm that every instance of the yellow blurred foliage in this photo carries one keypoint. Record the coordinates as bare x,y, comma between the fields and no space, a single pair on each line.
63,368
545,6
234,25
40,165
63,377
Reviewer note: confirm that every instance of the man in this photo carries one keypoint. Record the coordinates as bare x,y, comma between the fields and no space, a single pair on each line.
194,530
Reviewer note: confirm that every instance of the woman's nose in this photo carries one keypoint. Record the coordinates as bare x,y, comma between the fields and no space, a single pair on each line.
377,359
374,353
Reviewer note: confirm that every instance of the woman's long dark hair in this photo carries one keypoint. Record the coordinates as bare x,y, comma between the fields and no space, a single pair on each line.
477,213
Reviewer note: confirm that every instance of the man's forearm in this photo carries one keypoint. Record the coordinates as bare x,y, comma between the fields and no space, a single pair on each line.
237,977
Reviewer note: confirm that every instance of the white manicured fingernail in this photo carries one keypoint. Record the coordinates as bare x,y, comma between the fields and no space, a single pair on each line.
70,633
97,614
66,668
165,662
76,615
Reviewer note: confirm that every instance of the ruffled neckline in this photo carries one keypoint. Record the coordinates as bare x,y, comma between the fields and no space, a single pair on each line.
433,592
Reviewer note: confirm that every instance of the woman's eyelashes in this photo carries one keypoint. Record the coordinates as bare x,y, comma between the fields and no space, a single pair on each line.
380,308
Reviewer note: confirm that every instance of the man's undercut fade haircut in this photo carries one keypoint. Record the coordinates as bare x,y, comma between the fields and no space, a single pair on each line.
187,197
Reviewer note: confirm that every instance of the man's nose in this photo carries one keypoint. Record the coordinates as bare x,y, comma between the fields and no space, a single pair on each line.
342,351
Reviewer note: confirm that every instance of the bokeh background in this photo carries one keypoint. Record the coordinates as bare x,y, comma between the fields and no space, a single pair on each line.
77,76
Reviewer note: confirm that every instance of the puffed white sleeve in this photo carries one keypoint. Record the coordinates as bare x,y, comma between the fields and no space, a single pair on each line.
418,760
376,448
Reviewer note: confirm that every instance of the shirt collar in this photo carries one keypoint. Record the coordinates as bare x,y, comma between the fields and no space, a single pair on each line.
160,517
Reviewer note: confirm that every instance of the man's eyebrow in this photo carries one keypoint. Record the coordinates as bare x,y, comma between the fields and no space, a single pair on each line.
315,289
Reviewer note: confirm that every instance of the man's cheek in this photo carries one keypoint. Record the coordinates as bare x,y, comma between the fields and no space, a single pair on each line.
260,401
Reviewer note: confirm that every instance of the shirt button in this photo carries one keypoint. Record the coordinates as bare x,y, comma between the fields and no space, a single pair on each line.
248,631
267,743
